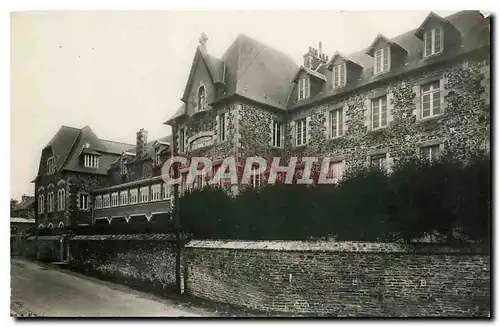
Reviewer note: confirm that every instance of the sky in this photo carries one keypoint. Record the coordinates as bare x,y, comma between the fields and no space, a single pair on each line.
120,71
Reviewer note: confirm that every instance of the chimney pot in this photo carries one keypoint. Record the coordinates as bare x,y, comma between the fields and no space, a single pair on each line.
320,47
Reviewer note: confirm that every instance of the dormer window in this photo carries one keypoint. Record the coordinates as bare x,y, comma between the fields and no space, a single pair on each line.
50,166
339,76
433,41
201,98
123,167
382,60
157,157
91,161
304,87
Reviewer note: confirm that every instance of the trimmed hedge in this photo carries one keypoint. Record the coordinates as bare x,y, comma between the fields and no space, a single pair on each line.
449,200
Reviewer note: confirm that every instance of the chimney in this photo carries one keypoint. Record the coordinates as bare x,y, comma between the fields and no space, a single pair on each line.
141,145
24,197
320,47
315,57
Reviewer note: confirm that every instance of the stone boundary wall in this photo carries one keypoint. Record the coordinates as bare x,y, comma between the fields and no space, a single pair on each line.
340,278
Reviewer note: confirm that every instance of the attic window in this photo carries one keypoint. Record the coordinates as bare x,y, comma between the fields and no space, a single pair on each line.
91,161
304,87
433,41
382,60
124,167
339,76
157,157
50,166
201,98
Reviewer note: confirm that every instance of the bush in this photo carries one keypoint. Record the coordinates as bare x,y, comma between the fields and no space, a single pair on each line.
446,198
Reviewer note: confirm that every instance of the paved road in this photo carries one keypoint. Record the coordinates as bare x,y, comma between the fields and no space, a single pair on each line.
46,291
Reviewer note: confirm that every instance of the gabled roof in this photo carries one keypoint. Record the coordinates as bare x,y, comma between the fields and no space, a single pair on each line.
178,113
420,30
310,72
215,69
258,72
115,147
26,204
61,143
344,57
371,48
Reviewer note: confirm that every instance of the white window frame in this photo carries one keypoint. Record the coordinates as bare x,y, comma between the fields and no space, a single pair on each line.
156,192
304,90
384,55
50,166
106,201
277,132
167,191
124,198
61,199
201,99
433,93
114,199
255,179
338,170
134,196
91,161
84,201
432,147
50,200
338,129
433,51
339,76
381,159
144,194
301,130
379,102
98,202
41,203
123,167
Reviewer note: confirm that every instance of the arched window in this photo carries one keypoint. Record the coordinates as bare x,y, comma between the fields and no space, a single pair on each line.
61,199
61,225
51,225
201,98
40,226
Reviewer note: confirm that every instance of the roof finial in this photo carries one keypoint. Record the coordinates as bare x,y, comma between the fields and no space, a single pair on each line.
203,41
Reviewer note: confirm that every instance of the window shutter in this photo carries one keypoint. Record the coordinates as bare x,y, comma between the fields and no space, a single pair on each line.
291,130
271,127
344,118
416,110
217,128
443,93
282,135
327,124
226,125
366,112
308,129
390,108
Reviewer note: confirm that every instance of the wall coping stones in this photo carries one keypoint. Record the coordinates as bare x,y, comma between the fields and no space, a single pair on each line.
125,237
332,246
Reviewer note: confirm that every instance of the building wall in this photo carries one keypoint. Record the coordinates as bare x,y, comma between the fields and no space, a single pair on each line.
77,183
463,127
342,279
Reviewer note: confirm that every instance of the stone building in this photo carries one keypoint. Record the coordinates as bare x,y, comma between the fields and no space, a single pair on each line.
424,92
80,174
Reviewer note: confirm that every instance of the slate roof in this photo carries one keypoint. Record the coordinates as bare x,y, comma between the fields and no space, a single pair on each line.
26,204
474,30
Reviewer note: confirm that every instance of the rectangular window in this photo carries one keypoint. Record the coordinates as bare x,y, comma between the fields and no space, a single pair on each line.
337,169
433,42
50,166
41,203
124,167
382,60
430,153
114,199
301,132
98,202
156,192
304,87
123,198
339,76
379,161
379,112
277,130
84,201
222,127
61,199
144,194
182,139
105,201
91,161
430,99
167,191
133,196
336,123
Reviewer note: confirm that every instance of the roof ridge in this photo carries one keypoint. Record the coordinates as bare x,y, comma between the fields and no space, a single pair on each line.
115,141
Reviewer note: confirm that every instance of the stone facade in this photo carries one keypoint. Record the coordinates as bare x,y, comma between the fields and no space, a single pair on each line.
360,280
